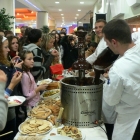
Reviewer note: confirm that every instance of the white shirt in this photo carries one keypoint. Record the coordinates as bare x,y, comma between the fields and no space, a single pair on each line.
123,89
101,46
136,37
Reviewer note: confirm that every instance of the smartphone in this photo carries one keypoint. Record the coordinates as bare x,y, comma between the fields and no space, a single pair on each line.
18,60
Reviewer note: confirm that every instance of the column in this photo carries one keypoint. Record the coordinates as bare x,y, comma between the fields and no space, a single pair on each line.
42,19
9,5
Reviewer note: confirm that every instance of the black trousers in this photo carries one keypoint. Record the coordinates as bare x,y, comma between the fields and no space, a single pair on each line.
110,127
136,135
109,130
10,126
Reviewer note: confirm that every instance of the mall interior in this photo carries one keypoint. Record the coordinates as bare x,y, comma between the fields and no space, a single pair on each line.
69,13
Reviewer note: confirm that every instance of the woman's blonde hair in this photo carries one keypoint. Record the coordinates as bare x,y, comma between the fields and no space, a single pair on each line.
45,40
3,60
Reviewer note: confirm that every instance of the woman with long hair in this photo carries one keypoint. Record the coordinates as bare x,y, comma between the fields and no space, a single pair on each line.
10,68
48,50
13,46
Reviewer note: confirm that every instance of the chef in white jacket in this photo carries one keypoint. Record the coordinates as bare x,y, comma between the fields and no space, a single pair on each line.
99,24
122,89
136,37
108,112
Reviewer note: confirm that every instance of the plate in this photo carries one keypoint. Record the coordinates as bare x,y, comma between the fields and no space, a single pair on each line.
35,133
58,138
44,81
55,94
15,100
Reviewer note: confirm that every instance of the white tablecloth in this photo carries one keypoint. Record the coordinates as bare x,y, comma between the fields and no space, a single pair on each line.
96,133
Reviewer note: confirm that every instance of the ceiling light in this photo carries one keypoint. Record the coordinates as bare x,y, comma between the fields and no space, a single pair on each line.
79,10
62,17
57,2
134,29
62,14
75,17
81,2
60,9
77,14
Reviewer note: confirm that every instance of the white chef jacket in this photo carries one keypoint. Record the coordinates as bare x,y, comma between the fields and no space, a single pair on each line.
123,91
108,112
101,46
136,37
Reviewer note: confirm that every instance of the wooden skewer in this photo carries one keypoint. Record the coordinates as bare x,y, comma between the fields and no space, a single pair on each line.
12,63
59,116
6,133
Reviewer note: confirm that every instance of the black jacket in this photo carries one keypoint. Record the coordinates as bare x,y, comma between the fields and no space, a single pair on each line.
48,58
70,53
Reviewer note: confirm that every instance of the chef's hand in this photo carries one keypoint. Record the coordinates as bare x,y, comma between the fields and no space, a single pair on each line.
106,75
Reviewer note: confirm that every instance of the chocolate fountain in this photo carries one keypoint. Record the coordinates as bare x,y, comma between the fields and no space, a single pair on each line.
81,97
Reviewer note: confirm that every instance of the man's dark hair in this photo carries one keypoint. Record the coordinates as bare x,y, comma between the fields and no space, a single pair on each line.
101,20
80,28
8,33
63,33
64,29
119,30
93,44
34,35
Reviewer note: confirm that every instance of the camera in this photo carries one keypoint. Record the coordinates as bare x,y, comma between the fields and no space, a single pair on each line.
70,38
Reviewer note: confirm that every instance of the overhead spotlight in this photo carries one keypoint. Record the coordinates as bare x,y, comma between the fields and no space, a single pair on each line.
81,2
62,14
77,14
60,9
57,2
79,10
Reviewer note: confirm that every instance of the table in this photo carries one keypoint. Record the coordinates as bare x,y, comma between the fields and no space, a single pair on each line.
96,133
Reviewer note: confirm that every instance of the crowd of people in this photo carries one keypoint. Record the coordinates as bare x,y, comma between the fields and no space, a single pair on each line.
26,60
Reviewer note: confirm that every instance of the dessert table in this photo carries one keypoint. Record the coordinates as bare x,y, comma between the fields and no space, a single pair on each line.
96,133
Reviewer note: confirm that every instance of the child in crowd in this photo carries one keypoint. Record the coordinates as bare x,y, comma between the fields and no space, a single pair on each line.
56,60
91,49
29,87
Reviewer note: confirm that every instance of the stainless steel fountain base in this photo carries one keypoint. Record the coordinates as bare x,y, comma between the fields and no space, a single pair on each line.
82,104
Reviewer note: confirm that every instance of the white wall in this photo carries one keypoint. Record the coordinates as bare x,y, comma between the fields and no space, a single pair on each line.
117,8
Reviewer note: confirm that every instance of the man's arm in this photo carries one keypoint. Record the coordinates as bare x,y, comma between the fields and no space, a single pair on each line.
101,46
113,88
